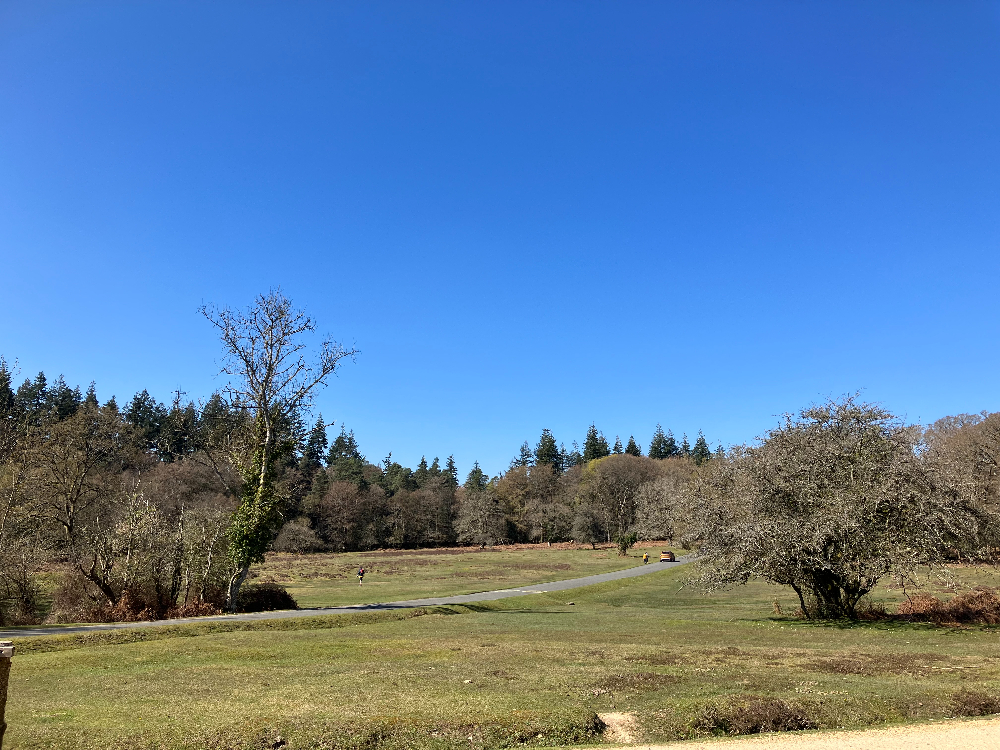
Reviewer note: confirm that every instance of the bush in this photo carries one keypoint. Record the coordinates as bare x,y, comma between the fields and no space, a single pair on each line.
980,606
296,536
974,703
752,715
264,597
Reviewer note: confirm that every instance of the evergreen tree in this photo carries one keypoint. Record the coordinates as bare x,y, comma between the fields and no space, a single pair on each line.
595,446
6,391
477,479
146,416
633,448
111,405
547,452
618,450
701,452
422,473
574,457
31,398
435,470
450,472
345,460
314,450
90,400
61,401
396,477
524,458
685,446
657,446
670,445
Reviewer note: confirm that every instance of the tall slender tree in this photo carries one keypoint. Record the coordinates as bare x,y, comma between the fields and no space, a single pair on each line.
701,452
547,453
273,382
595,446
633,448
618,450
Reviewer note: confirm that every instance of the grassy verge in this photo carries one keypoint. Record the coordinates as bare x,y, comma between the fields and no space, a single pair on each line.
526,671
325,580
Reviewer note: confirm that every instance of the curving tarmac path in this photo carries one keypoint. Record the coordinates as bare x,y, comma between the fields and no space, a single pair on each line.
482,596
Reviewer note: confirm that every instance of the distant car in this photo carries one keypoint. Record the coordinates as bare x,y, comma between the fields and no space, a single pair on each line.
668,557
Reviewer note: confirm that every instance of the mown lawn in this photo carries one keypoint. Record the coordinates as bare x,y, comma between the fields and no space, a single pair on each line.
323,580
531,670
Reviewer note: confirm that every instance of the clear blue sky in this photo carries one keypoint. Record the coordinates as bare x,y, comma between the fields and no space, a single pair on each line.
525,215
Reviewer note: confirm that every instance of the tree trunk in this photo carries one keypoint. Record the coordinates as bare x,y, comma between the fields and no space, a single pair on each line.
235,582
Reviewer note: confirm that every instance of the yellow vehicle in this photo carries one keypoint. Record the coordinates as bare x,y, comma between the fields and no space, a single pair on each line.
668,557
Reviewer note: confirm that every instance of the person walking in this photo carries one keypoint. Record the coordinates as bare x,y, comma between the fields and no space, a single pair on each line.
361,575
645,558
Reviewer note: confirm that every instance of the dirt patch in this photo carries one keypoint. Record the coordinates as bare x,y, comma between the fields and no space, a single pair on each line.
665,659
620,727
875,664
637,681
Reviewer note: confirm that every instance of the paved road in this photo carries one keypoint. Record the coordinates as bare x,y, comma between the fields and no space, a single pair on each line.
483,596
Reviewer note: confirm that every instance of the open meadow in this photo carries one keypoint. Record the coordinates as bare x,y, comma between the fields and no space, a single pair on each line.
330,580
532,670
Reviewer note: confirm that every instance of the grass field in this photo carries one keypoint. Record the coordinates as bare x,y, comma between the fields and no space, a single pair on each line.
393,575
530,670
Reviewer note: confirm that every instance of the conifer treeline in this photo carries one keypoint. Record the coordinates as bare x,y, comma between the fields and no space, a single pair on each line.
135,501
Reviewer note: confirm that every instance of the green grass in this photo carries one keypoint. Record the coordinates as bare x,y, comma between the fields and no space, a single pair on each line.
325,580
530,670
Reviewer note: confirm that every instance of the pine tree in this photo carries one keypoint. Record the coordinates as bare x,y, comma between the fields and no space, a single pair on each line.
547,452
701,452
633,448
90,400
685,446
435,470
477,479
422,473
30,398
146,416
618,450
524,458
345,460
595,446
450,472
670,445
6,391
657,446
315,449
574,457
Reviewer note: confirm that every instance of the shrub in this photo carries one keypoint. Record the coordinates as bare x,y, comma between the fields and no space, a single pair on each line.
752,715
264,597
980,606
296,536
974,703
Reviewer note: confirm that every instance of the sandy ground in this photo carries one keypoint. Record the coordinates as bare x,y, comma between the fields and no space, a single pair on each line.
971,734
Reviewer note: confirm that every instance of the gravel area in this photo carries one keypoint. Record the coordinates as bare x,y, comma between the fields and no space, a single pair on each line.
969,734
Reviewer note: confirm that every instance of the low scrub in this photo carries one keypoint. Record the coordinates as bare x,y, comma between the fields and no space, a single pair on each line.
264,597
980,606
751,715
975,703
389,733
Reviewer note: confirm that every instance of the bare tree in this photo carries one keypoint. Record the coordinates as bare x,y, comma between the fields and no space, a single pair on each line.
272,380
829,503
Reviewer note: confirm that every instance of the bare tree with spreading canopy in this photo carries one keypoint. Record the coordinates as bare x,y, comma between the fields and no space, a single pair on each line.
829,503
273,382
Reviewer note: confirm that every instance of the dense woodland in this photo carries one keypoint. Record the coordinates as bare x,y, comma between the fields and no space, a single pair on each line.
130,505
144,510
